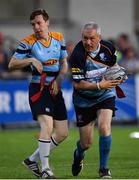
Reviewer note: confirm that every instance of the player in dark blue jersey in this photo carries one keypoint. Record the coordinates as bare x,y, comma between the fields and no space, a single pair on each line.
45,52
93,96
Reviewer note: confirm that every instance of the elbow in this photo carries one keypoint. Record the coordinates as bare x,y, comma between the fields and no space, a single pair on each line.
76,86
10,66
65,70
81,85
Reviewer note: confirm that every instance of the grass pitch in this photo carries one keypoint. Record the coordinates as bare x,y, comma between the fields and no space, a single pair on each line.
16,145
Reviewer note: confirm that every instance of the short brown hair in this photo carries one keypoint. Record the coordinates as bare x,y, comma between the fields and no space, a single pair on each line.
39,12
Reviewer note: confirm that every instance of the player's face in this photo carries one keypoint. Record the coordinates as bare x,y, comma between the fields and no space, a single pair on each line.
40,26
90,39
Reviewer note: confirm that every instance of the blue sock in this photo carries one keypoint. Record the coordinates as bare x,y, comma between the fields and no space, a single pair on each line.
79,151
104,150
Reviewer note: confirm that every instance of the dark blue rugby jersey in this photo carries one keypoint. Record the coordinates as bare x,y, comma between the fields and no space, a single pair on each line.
89,67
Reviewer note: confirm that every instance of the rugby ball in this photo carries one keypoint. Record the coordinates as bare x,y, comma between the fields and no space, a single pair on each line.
115,73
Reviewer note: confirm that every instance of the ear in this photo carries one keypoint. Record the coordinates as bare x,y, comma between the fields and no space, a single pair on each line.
47,22
99,37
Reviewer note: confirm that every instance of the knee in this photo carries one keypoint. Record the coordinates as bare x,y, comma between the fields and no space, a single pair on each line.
62,135
45,133
86,145
104,129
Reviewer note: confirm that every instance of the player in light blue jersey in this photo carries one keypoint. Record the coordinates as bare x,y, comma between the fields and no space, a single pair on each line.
45,52
93,96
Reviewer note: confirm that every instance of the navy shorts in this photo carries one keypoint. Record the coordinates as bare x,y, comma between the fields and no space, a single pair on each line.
86,115
46,104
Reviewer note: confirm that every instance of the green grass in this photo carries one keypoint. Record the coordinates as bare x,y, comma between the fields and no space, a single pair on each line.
15,145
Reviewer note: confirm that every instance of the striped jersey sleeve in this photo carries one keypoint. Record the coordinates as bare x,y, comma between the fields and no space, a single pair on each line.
59,36
77,63
24,48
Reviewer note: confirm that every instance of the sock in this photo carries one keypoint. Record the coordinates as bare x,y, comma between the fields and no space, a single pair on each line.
35,156
44,151
104,150
79,151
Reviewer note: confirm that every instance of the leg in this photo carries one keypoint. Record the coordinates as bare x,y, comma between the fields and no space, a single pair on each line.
60,127
86,133
82,145
104,125
60,120
46,124
60,133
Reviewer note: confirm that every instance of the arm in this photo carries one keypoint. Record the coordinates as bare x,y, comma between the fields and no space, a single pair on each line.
103,84
62,72
21,63
18,64
21,56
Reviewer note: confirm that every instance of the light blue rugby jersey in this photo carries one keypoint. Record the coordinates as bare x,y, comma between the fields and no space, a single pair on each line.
47,52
